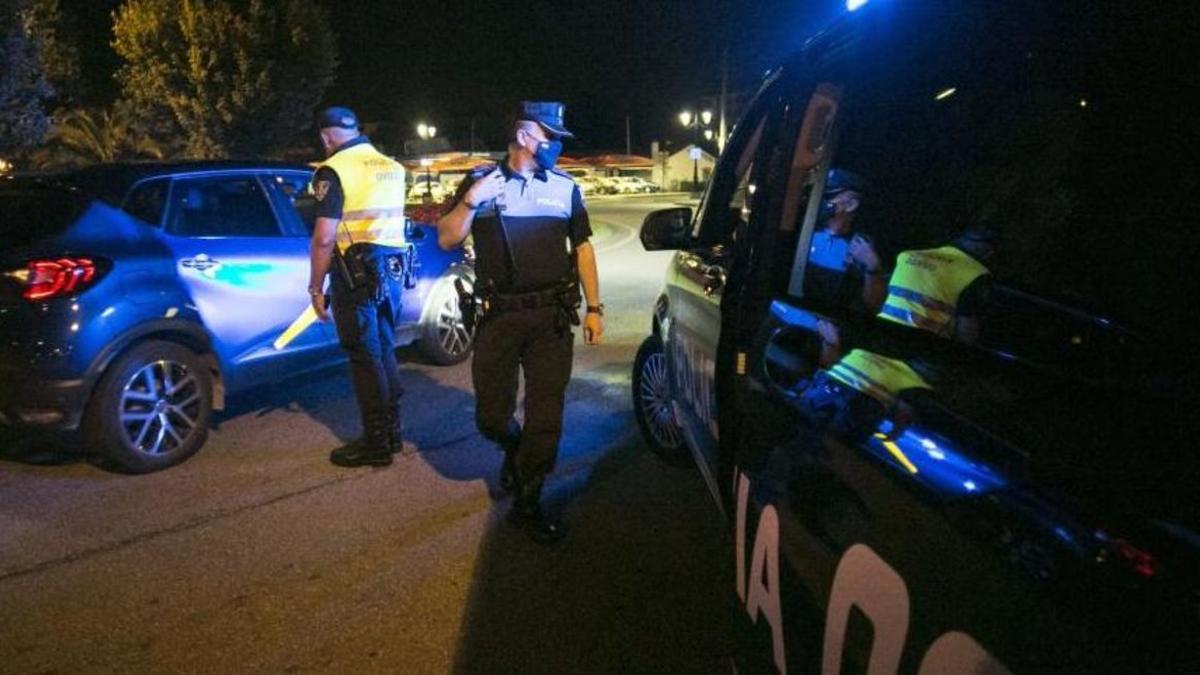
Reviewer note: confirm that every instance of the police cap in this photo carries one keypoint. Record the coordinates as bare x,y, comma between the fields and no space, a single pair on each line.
549,114
840,180
337,117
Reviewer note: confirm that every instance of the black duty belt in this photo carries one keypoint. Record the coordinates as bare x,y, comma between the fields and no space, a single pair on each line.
508,302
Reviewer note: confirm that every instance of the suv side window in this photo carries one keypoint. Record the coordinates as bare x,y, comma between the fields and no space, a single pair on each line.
297,205
148,200
221,206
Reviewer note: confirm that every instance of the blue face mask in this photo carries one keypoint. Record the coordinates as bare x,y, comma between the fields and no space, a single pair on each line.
547,154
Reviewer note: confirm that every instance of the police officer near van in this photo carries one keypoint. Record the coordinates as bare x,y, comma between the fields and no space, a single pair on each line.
531,237
357,241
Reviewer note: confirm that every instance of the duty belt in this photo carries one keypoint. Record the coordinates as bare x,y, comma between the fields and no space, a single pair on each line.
507,302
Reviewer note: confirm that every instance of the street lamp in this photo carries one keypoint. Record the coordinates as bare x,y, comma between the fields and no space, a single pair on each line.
427,132
697,123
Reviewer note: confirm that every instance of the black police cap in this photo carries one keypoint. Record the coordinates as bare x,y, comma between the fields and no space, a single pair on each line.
337,117
840,180
549,114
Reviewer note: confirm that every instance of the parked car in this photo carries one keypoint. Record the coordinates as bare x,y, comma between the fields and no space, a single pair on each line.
1027,502
135,298
633,185
426,188
593,185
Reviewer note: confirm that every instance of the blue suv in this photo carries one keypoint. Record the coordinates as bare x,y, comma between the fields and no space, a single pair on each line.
134,298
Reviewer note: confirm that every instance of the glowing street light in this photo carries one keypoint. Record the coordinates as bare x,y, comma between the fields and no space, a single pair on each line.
427,132
706,117
695,123
685,118
708,134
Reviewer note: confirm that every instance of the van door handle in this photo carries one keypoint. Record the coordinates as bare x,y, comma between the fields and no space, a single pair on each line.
714,280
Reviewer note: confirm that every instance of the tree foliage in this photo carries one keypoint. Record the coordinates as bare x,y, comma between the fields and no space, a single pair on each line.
86,136
239,78
23,86
58,49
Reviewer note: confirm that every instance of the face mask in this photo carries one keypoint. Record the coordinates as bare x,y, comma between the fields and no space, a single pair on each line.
547,154
827,210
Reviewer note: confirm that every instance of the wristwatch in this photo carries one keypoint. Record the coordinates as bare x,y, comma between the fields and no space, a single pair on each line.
596,309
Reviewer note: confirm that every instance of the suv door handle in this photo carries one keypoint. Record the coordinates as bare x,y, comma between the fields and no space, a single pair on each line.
201,262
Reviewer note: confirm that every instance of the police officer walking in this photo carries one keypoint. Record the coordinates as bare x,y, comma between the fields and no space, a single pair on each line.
531,236
359,226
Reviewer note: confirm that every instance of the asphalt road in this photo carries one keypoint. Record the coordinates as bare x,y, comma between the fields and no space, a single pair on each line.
258,555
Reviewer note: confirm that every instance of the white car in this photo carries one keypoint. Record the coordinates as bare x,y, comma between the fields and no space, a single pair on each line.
632,184
422,186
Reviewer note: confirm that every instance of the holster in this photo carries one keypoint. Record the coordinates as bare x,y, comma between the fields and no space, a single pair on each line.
374,273
469,305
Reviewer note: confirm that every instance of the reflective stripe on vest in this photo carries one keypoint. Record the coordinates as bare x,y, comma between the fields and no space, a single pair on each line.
374,191
926,285
877,376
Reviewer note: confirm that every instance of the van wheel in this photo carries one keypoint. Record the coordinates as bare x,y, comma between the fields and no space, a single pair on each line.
652,402
151,409
445,339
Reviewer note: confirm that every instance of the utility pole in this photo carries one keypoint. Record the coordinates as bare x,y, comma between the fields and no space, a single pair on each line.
724,90
628,143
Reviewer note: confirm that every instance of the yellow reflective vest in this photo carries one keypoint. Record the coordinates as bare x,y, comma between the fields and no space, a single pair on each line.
374,191
879,377
926,286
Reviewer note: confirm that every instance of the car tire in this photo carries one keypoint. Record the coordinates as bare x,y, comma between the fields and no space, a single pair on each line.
445,339
152,407
652,403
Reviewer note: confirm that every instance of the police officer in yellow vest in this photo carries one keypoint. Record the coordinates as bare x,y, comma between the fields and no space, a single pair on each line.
940,290
360,223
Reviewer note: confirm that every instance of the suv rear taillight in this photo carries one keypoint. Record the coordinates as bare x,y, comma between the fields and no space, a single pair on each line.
50,278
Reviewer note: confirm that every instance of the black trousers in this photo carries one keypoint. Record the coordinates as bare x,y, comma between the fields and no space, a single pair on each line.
366,329
529,342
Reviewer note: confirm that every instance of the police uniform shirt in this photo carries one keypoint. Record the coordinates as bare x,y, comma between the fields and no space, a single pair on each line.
327,187
541,213
829,250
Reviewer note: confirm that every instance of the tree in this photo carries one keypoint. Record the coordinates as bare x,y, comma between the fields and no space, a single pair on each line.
93,136
23,86
57,48
239,78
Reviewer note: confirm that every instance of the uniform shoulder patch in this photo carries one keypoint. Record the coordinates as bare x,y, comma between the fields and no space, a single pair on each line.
320,189
483,170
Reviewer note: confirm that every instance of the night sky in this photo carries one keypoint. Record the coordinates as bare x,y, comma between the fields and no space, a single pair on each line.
443,62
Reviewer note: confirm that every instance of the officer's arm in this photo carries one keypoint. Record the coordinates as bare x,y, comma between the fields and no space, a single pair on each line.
454,227
327,189
586,259
324,238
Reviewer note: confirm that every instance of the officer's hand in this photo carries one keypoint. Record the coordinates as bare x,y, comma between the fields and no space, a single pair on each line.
485,189
318,305
864,254
829,333
593,328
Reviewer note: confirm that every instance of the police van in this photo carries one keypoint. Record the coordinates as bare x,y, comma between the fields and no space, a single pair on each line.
930,473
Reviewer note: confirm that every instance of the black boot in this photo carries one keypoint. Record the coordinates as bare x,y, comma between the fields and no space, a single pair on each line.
373,449
527,514
508,470
395,428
